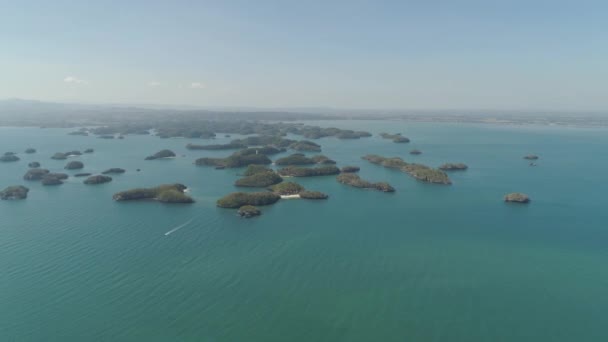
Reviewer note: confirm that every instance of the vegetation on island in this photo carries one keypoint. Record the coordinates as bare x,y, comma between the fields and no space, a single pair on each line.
54,178
85,174
287,188
168,193
6,158
33,165
114,170
295,159
296,171
239,199
88,150
254,169
313,195
415,152
161,154
267,150
260,179
74,165
531,157
453,167
229,146
396,138
35,174
249,211
418,171
305,146
15,192
517,197
350,169
98,179
235,160
356,181
30,150
323,160
59,156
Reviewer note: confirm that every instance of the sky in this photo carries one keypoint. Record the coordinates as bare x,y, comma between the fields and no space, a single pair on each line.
425,54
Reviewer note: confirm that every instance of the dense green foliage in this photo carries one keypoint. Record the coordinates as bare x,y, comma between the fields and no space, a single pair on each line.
295,159
35,174
239,199
230,146
453,166
161,154
33,165
517,197
397,138
9,158
420,172
30,150
260,180
168,193
248,211
305,145
114,170
350,169
253,169
267,150
314,195
356,181
287,188
295,171
235,160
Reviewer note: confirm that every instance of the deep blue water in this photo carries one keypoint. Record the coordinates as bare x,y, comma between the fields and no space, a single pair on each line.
427,263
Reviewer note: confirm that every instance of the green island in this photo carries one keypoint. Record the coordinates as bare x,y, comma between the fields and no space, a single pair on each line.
254,169
229,146
517,197
235,160
163,154
396,138
296,171
350,169
88,150
249,211
287,188
356,181
85,174
415,152
35,174
114,170
168,193
239,199
418,171
305,146
10,157
98,179
30,150
74,165
33,165
260,179
531,157
295,159
313,195
54,178
453,167
15,192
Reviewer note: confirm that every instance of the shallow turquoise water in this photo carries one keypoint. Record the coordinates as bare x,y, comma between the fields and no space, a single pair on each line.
427,263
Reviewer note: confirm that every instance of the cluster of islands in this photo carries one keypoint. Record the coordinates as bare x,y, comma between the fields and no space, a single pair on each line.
253,154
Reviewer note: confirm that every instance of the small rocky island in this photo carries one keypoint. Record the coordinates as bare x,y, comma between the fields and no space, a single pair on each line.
84,174
238,199
295,171
235,160
313,195
531,157
54,178
453,167
30,150
415,152
249,211
74,165
168,193
99,179
287,189
16,192
9,157
356,181
89,150
396,138
295,159
163,154
517,197
114,170
33,165
305,146
35,174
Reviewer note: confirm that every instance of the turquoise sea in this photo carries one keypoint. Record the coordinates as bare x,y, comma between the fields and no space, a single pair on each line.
427,263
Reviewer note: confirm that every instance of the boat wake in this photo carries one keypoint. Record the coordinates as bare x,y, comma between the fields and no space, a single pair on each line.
178,227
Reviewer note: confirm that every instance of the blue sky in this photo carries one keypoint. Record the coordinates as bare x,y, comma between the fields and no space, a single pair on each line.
522,55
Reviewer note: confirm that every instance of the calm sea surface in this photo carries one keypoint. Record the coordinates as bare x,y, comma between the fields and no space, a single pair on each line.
427,263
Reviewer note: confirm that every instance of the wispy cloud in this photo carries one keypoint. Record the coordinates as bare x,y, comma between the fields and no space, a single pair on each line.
154,84
74,80
197,85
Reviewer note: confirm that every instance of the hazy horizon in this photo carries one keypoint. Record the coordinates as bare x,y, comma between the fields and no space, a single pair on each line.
389,55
